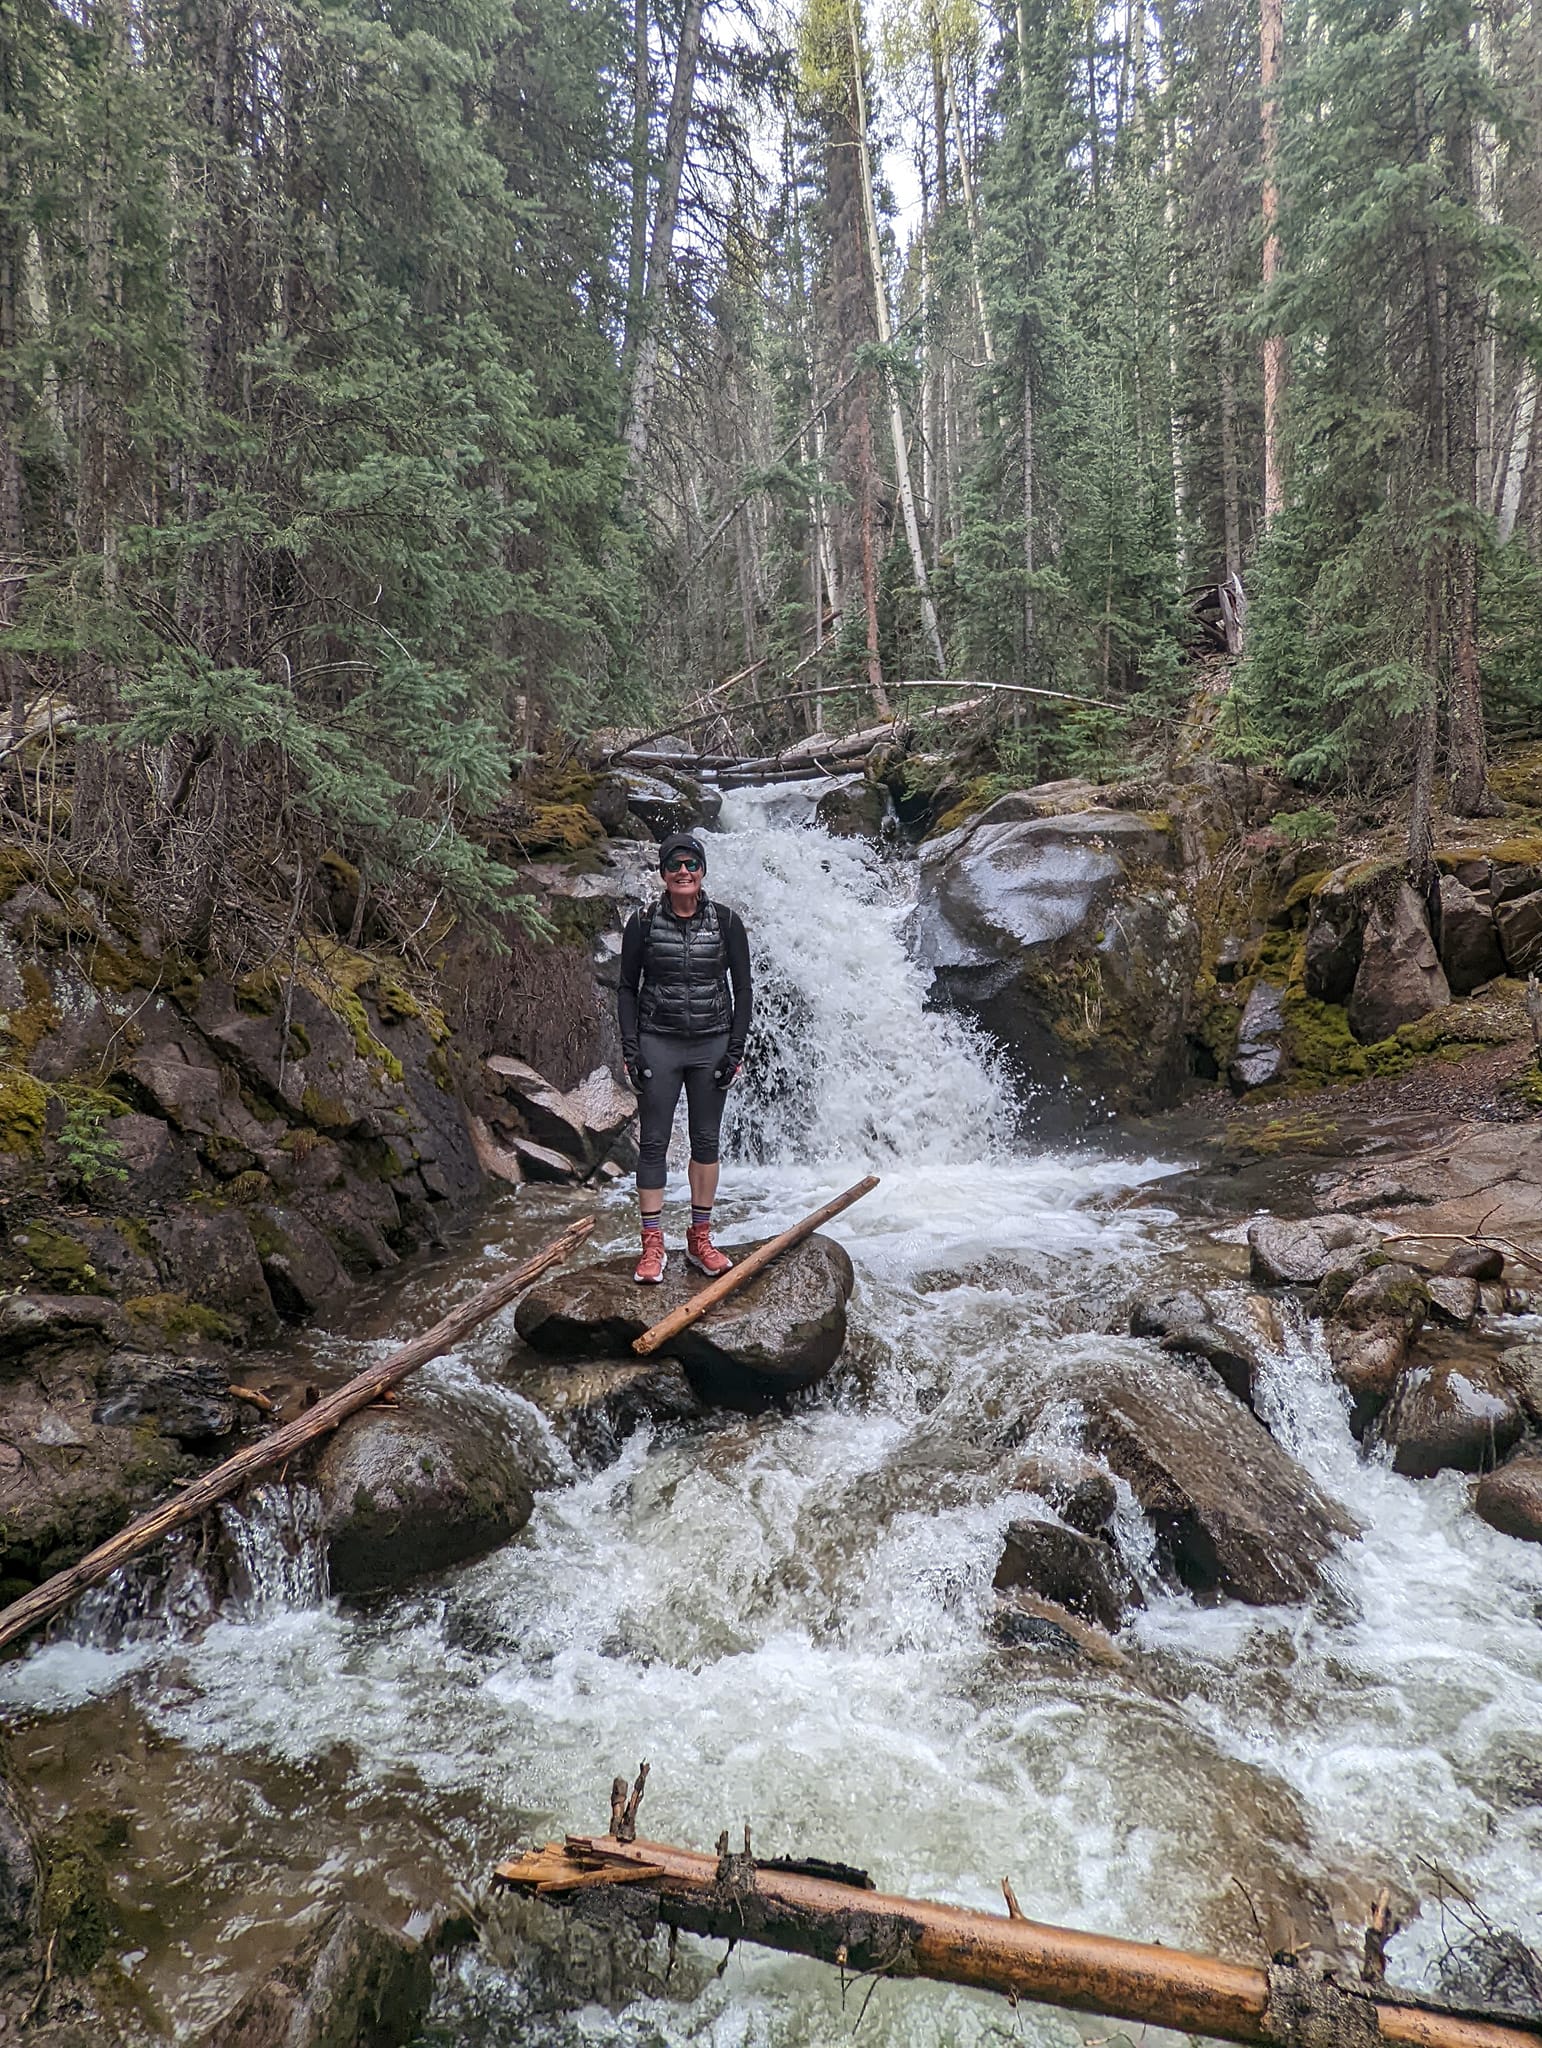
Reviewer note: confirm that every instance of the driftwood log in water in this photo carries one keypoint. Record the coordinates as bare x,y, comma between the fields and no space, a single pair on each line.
802,1909
698,1305
56,1593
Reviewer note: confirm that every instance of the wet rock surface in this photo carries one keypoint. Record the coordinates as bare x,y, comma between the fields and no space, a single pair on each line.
412,1489
1304,1251
1076,1571
781,1331
1235,1515
1371,1332
1260,1055
1235,1339
1510,1499
356,1981
1460,1415
1065,935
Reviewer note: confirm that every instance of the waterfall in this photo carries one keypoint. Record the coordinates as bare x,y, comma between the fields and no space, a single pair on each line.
846,1063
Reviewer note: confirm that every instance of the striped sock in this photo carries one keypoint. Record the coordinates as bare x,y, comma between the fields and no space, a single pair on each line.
700,1216
654,1223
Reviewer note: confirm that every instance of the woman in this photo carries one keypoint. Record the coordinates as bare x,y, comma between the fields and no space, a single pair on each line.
680,1024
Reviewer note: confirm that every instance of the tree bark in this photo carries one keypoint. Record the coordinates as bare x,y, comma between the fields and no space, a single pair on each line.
1517,455
1271,49
662,241
886,338
832,1912
641,165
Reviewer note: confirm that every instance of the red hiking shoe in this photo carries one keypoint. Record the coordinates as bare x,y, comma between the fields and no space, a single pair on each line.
650,1267
703,1254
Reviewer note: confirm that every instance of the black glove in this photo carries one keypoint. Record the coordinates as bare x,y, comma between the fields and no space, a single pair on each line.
725,1073
637,1073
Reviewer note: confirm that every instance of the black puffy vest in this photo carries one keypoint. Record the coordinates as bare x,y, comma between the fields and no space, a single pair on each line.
684,974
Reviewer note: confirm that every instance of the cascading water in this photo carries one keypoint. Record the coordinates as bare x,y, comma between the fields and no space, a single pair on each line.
790,1616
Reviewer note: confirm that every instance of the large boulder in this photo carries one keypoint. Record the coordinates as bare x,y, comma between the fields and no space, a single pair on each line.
1303,1251
1510,1499
1068,938
1469,941
416,1489
1459,1415
781,1331
853,808
1234,1514
1400,978
669,802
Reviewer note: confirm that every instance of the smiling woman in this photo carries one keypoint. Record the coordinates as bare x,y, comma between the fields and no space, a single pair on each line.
685,1009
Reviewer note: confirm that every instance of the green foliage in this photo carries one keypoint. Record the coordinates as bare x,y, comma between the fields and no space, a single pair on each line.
1307,827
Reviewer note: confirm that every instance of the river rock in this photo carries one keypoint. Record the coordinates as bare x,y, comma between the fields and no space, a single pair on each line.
208,1254
669,802
1469,942
1233,1342
595,1405
1521,1365
1234,1513
543,1162
30,1323
1066,937
1334,935
1456,1414
187,1399
1371,1332
18,1875
1510,1499
355,1981
1493,1972
1519,925
1303,1252
1081,1492
1478,1262
781,1331
1454,1298
1260,1053
411,1489
1076,1571
853,809
1400,979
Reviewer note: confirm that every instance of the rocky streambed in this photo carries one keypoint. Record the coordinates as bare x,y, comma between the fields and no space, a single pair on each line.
1089,1559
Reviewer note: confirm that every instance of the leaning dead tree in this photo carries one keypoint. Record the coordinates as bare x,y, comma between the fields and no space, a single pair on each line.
832,1912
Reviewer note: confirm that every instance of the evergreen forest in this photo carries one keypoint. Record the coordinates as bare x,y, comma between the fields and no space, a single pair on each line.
388,388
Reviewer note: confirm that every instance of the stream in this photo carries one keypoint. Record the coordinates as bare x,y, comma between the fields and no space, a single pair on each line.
790,1616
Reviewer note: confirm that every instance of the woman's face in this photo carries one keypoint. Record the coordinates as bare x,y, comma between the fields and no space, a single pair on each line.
682,883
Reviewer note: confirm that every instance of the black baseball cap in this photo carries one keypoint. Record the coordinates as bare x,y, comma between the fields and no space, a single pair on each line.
682,842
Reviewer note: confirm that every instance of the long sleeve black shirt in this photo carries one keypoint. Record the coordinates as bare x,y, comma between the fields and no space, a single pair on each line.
736,943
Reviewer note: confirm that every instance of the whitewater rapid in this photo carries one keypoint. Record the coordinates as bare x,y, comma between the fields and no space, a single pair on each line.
790,1616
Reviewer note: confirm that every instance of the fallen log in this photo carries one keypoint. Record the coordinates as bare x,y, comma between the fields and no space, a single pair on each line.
688,1312
735,1897
321,1416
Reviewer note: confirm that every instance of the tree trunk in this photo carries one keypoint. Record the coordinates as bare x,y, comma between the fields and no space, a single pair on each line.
1271,51
1512,474
971,215
815,1908
1231,509
637,225
662,241
1468,745
886,339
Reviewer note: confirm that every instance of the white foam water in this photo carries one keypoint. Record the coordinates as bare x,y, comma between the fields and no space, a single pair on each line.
790,1616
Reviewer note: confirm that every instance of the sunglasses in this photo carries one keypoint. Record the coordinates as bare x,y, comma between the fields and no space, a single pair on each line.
687,861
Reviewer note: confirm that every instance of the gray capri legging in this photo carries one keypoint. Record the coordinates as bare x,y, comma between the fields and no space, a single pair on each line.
673,1062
